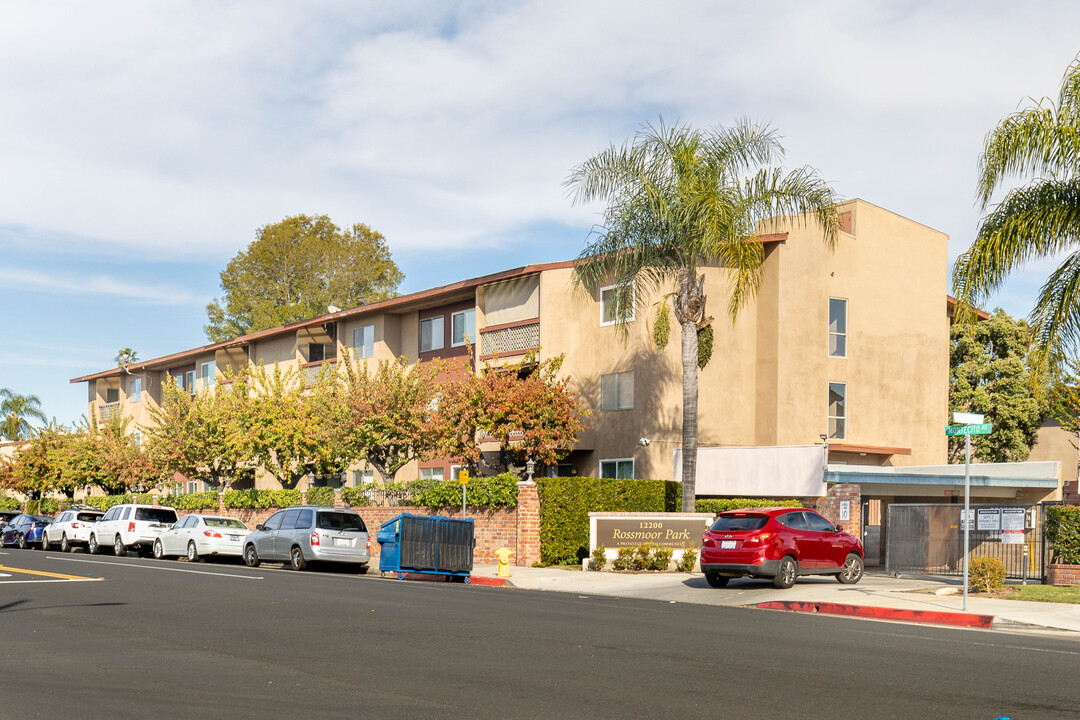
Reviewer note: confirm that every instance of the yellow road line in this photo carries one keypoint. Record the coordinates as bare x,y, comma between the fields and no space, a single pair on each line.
43,574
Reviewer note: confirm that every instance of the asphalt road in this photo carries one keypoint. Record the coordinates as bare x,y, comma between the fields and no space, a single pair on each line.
167,639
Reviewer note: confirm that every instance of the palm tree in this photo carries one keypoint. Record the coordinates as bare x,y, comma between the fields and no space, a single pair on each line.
677,199
126,357
14,411
1035,221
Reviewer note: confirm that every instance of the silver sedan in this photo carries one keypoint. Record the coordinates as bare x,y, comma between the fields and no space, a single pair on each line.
197,536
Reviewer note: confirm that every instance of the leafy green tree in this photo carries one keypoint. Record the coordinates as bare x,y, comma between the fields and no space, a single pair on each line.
384,413
15,413
113,458
286,425
296,269
1039,220
527,409
126,356
677,199
200,436
990,374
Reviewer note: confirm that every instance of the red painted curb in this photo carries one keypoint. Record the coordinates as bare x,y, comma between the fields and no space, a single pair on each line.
491,581
473,579
933,617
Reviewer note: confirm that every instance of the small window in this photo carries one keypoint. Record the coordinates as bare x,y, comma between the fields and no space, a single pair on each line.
622,468
837,411
135,389
192,486
275,520
818,523
303,521
617,391
189,381
316,352
126,513
363,340
362,477
112,395
837,327
207,373
435,473
431,334
616,301
463,327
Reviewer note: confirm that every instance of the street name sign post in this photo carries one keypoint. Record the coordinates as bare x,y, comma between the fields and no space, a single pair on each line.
972,424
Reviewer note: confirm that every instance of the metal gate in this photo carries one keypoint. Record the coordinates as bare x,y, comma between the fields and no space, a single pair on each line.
929,540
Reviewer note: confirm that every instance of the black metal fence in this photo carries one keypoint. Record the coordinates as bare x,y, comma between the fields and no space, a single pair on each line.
923,539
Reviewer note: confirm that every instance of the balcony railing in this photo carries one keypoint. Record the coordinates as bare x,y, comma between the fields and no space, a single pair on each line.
312,370
109,411
510,339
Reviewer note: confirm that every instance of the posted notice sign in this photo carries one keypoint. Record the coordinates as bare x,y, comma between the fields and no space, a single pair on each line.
1013,521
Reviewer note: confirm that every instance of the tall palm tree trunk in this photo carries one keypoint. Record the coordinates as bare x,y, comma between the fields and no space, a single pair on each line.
689,415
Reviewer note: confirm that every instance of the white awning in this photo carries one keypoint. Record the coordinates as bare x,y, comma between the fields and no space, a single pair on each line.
780,472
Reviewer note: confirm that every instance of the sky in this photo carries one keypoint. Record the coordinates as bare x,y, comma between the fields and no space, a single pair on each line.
142,145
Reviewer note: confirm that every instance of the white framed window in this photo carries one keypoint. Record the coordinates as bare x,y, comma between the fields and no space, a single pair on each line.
455,472
837,411
192,486
362,477
189,381
617,391
462,327
431,333
135,389
837,327
614,298
621,468
207,374
435,473
363,341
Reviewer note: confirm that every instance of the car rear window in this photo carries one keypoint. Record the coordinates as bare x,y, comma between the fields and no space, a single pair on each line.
160,515
88,517
727,523
341,521
226,523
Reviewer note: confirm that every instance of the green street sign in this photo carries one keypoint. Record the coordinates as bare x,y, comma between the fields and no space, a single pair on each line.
980,429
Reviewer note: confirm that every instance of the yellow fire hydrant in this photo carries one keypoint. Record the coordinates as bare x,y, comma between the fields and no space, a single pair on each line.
503,554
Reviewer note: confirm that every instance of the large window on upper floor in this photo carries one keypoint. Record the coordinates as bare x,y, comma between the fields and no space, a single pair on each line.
617,391
837,411
207,374
620,468
431,333
837,327
112,395
363,341
134,389
616,301
463,327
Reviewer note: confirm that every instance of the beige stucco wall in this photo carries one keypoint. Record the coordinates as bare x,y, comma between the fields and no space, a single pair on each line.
1056,443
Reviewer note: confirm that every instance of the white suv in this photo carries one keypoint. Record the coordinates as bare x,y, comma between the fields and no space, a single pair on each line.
70,528
131,526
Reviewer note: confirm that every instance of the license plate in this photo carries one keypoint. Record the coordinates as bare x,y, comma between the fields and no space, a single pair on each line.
341,542
234,538
727,544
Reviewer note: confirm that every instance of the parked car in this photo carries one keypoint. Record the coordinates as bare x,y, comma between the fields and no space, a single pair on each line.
71,529
24,530
302,534
200,536
7,515
778,543
130,526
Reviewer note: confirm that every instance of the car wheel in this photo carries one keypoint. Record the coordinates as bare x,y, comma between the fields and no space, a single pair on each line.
716,581
296,559
44,542
93,547
65,546
118,547
159,551
22,542
852,571
192,553
251,558
786,573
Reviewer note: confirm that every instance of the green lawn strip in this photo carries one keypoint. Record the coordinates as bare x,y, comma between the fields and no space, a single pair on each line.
1042,593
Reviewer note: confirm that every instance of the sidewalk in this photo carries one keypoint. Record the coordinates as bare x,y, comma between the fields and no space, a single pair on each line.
875,595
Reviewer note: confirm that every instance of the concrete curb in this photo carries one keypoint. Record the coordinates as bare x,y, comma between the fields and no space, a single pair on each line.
931,617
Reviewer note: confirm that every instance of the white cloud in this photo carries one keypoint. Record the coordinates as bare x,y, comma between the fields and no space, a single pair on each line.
93,285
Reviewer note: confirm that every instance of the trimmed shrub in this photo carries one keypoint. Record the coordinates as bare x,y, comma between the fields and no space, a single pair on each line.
599,558
985,574
251,498
104,502
193,501
9,503
320,496
719,505
660,559
355,496
626,560
687,561
496,491
1063,533
565,504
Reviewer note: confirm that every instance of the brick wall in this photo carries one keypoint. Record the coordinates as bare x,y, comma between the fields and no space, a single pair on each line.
527,551
1063,574
829,506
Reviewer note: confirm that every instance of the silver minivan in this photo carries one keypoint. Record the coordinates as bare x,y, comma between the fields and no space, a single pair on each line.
306,533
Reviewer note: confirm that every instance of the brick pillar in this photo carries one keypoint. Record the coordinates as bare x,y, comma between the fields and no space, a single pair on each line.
527,551
303,497
338,501
221,502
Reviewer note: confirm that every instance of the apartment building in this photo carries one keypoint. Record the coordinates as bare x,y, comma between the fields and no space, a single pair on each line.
849,346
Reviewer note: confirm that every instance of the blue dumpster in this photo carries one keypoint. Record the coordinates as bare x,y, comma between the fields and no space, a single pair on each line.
430,545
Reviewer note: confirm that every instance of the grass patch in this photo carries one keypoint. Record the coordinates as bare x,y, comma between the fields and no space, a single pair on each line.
1040,593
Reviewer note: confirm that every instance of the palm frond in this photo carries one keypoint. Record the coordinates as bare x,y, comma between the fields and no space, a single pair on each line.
1055,319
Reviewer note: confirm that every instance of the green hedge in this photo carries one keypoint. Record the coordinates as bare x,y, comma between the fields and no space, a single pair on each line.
355,496
719,505
320,496
192,501
9,503
1063,533
251,498
565,504
497,491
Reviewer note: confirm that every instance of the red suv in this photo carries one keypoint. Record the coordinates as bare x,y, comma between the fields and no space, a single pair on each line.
781,543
